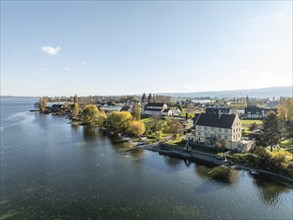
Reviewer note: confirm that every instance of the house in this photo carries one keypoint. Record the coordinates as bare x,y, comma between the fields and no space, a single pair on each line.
210,127
57,108
253,112
177,111
218,110
150,107
167,112
126,108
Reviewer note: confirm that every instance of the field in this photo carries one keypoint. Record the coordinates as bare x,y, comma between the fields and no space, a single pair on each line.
246,123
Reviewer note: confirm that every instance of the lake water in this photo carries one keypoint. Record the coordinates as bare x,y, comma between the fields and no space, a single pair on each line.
51,169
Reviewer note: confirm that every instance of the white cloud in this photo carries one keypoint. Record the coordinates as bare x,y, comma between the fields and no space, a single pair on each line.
65,68
50,50
37,74
84,63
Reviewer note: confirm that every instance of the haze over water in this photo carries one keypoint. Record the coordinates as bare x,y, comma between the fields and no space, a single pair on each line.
51,169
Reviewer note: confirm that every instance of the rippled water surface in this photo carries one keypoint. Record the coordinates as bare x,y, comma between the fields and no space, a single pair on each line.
51,169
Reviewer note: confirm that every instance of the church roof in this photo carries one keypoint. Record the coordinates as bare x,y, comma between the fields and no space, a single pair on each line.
150,96
155,104
143,96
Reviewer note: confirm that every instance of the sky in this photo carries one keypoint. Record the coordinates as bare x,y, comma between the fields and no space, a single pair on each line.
62,48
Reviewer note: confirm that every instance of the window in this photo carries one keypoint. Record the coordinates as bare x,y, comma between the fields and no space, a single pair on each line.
198,133
205,128
212,129
234,130
219,136
226,130
220,130
226,137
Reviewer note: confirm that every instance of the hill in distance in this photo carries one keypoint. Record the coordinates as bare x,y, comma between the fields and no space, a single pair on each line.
256,93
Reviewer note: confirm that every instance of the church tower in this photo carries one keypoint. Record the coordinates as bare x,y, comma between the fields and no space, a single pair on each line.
150,98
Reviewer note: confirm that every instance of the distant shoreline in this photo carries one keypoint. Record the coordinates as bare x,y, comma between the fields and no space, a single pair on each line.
7,96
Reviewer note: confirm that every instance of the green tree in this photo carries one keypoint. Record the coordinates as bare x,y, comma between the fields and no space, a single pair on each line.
75,110
271,132
136,128
90,115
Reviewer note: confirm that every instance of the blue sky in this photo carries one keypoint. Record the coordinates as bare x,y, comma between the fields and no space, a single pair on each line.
124,47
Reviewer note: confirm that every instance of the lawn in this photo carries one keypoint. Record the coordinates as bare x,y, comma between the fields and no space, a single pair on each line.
246,123
287,143
146,120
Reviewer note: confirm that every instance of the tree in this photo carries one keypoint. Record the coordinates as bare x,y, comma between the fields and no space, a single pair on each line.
271,131
156,124
75,110
67,106
136,111
174,127
119,120
42,104
253,126
90,115
136,128
102,118
285,109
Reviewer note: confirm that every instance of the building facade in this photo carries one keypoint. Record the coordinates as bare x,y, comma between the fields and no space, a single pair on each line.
210,128
150,107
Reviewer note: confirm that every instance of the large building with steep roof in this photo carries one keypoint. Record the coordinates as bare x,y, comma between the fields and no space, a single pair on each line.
214,126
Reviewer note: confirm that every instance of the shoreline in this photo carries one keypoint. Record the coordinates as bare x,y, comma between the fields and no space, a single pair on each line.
195,157
169,150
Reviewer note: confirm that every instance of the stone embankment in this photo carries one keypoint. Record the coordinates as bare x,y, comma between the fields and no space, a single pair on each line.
170,150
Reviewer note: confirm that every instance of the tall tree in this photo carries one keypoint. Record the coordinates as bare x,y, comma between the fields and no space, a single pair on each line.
102,118
285,109
271,132
75,110
136,111
42,104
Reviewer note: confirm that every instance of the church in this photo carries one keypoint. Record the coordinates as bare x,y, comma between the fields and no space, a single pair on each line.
151,107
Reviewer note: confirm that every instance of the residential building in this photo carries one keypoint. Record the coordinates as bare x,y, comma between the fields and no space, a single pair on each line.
253,112
210,127
218,110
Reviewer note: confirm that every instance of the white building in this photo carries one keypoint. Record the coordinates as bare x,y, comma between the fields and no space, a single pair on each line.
150,107
211,127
